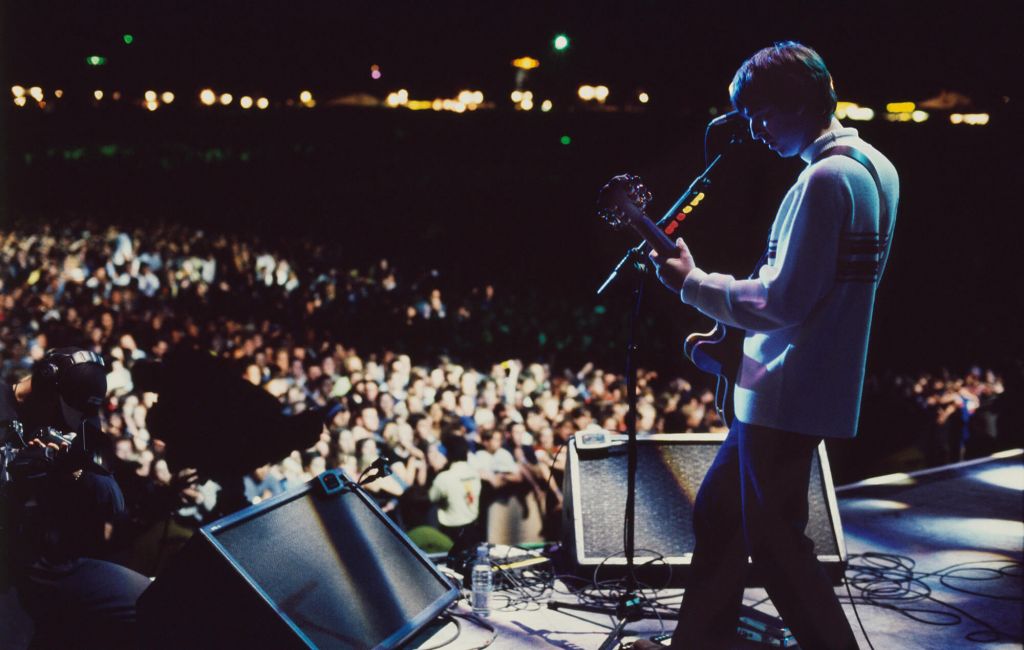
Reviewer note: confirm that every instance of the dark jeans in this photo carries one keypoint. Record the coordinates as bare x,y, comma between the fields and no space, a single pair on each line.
753,502
82,603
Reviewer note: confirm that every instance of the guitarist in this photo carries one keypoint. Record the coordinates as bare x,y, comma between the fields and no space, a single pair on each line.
807,314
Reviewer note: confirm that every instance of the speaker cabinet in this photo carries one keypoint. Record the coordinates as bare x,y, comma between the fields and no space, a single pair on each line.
306,569
670,468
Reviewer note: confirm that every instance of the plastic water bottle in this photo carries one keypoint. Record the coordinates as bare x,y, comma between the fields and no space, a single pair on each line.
482,582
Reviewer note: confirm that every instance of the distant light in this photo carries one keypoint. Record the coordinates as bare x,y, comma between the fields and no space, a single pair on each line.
18,91
21,100
974,119
456,106
437,104
305,97
245,102
398,98
565,139
586,93
527,104
95,59
153,105
150,95
262,103
561,42
898,117
422,105
601,93
97,94
207,97
36,93
860,113
644,98
471,98
58,93
517,96
546,105
900,107
167,97
526,63
843,107
116,95
226,99
128,39
919,116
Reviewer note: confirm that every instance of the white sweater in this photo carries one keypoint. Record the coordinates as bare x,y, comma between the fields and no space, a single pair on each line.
807,314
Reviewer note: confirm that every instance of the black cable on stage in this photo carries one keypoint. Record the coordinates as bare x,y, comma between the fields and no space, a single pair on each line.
473,618
458,633
551,468
608,593
890,582
529,586
857,614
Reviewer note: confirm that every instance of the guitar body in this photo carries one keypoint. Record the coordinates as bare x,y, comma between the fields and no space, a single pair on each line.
718,352
715,351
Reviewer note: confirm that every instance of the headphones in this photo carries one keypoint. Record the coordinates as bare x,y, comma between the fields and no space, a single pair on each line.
47,371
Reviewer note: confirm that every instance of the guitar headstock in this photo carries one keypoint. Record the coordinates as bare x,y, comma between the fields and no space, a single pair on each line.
622,200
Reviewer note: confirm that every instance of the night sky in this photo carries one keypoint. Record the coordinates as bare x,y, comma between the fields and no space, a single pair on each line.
480,190
681,51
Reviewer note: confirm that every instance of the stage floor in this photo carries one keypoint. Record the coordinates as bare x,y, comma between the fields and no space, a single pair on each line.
938,555
943,546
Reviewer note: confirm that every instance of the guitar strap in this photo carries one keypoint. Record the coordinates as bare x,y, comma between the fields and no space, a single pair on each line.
850,152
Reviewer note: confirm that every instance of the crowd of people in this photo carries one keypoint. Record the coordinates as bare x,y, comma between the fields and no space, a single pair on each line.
473,443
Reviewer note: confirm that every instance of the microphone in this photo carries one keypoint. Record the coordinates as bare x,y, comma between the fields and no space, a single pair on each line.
382,465
727,118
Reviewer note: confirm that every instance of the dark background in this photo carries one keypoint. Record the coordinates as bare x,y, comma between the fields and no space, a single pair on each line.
493,196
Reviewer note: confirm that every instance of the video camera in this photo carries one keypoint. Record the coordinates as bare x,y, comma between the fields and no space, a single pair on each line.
19,461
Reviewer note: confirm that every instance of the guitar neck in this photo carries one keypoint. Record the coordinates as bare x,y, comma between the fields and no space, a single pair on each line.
655,237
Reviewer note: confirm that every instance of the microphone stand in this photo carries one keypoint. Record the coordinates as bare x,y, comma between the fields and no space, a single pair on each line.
629,607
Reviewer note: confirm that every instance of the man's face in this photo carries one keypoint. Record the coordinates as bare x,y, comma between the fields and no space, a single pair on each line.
786,133
493,443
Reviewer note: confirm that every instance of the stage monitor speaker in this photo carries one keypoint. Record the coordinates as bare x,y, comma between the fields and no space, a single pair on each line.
670,468
317,567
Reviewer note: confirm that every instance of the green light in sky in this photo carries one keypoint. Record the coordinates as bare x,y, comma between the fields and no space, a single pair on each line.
96,60
566,139
561,42
128,39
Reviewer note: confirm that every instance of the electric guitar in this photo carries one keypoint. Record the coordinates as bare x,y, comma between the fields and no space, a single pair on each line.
621,203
